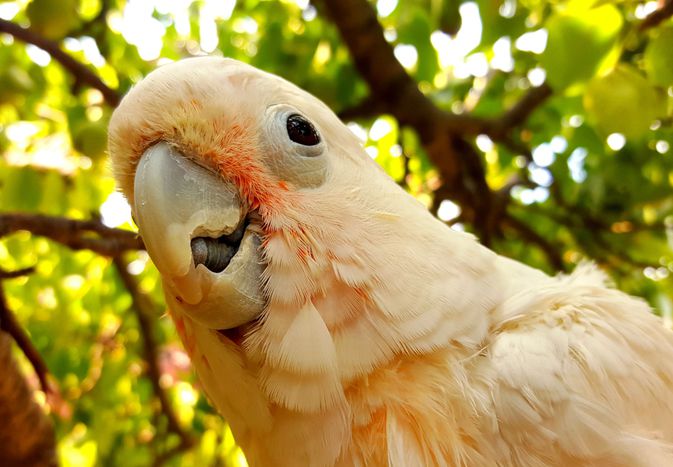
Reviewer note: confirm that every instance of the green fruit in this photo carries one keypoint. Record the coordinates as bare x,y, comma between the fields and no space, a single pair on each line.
579,40
15,83
622,101
659,58
53,19
91,139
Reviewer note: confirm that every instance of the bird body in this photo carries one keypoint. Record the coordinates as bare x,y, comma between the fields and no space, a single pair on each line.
351,327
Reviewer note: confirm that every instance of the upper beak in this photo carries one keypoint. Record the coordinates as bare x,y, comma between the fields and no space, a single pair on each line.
194,227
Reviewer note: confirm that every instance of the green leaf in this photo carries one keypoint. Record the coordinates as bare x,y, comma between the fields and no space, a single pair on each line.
659,57
416,31
623,101
579,40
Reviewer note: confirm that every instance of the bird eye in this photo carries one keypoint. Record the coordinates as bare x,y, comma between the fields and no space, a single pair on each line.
301,131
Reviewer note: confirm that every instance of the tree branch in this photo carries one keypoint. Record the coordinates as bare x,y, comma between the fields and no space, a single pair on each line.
397,93
26,433
388,81
81,72
657,16
442,133
75,234
11,326
393,89
18,273
106,241
145,311
519,112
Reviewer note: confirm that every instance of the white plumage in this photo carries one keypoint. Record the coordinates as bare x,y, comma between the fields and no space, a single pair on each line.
386,337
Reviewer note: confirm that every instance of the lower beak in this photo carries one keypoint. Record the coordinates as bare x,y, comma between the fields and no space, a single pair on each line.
195,229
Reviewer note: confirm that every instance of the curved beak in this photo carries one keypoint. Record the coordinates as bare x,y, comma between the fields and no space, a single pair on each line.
196,231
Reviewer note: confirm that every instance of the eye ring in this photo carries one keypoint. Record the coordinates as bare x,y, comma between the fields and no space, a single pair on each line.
301,131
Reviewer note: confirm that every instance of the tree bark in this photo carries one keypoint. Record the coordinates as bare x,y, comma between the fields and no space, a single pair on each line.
26,433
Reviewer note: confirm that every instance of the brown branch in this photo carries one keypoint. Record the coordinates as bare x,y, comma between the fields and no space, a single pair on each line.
11,326
26,433
80,71
393,89
145,312
75,234
18,273
397,92
657,16
442,133
519,112
388,81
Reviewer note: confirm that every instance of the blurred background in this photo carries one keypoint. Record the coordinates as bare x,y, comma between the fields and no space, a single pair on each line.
543,127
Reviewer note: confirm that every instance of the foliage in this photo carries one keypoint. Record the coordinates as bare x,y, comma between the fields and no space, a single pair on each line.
589,173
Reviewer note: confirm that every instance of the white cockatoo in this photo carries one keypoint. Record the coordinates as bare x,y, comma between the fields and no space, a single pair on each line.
333,321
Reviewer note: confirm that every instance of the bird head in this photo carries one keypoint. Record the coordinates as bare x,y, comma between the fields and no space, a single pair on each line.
215,157
263,213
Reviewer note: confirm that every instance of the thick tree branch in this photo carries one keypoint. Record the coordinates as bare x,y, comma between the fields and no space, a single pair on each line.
106,241
80,71
398,93
388,81
26,433
145,312
11,326
75,234
657,16
394,91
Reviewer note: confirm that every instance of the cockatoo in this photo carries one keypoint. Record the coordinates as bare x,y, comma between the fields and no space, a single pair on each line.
332,320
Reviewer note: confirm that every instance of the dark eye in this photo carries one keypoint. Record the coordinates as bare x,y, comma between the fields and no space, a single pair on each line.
301,131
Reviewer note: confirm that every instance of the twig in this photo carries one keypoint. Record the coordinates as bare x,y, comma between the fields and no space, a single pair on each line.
519,112
177,449
144,310
81,72
75,234
11,326
18,273
657,16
